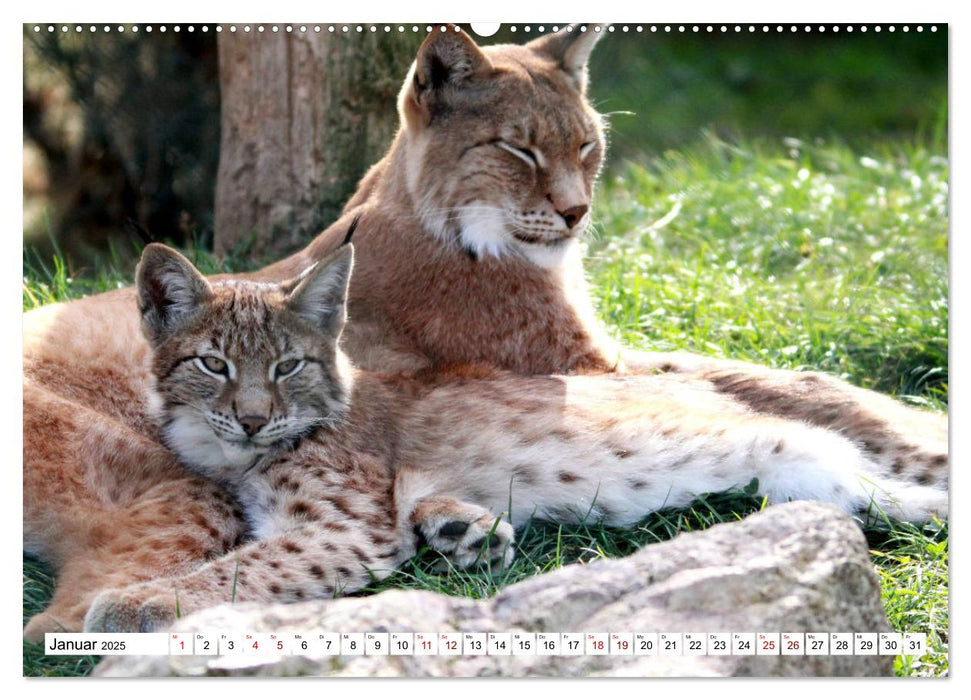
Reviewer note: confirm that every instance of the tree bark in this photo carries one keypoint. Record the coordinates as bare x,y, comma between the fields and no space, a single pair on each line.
303,117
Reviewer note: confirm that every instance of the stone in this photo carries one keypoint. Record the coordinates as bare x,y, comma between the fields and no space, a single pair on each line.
795,567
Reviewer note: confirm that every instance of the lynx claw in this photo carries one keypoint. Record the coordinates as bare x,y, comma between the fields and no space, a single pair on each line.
468,536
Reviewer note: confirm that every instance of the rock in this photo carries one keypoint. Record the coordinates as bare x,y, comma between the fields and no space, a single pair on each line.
797,567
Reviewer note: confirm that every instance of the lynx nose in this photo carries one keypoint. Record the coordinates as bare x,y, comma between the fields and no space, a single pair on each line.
252,424
573,215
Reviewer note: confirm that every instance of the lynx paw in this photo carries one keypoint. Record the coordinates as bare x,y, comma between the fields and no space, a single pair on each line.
126,610
466,534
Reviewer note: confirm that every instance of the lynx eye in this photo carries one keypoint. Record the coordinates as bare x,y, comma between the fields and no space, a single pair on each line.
286,368
587,148
527,155
214,365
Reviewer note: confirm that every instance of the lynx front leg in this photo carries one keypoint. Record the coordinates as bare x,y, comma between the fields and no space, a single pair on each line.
170,530
108,507
310,562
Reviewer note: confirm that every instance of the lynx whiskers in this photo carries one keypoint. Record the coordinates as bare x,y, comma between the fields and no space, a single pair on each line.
244,370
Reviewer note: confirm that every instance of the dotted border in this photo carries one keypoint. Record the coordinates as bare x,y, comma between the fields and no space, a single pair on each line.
539,29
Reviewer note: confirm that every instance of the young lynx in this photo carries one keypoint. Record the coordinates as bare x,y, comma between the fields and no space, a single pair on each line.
246,369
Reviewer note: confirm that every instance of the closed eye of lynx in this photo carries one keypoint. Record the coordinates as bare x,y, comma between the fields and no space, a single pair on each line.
524,154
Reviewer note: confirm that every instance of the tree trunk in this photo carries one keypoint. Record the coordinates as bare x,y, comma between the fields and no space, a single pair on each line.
303,117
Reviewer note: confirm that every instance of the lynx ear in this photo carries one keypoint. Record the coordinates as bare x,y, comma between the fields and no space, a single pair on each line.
170,290
571,50
320,294
446,61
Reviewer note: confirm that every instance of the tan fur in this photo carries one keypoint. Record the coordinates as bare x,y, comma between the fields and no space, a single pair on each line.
418,302
108,506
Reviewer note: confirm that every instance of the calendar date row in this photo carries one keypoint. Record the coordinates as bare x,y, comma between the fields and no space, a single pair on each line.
493,643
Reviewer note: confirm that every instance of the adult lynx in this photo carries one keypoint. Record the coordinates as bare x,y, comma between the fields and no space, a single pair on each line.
468,248
467,252
243,369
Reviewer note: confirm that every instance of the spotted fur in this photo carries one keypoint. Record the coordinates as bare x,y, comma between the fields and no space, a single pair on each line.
461,458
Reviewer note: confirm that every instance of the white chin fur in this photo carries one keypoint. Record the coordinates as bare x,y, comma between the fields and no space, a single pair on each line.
198,448
484,233
550,257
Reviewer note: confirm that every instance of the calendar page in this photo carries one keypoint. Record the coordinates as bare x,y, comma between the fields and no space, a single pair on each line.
522,349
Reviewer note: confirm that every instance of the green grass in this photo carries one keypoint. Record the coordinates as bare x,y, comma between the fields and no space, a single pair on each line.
38,589
545,546
792,254
781,84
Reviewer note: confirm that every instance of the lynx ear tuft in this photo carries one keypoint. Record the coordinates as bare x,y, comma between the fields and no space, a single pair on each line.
319,295
446,61
170,291
571,50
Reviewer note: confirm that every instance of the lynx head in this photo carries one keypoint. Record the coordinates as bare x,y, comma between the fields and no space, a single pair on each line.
243,368
501,146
